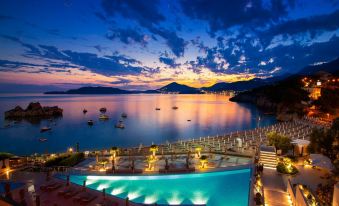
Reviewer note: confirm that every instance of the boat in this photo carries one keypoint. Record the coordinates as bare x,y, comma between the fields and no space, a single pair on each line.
188,120
103,117
124,115
175,107
44,129
119,125
42,139
84,111
103,109
157,108
90,122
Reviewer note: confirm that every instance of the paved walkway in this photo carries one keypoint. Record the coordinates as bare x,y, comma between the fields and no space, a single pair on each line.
274,189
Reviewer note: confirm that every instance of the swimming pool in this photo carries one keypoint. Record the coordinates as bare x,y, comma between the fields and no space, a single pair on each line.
212,188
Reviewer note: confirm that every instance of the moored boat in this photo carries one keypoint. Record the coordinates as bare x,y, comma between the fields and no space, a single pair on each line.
44,129
84,111
90,122
119,125
157,108
103,117
175,107
103,109
124,115
42,139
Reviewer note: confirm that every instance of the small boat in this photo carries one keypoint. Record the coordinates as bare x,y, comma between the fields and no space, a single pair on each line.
157,108
175,107
42,139
188,120
103,117
84,111
7,126
90,122
44,129
103,109
124,115
119,125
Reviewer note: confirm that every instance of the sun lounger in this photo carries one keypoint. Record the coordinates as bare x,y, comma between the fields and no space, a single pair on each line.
48,184
65,190
73,192
107,202
80,196
54,187
87,199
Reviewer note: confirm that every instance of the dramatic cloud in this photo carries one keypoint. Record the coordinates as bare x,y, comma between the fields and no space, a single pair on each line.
132,43
328,22
222,15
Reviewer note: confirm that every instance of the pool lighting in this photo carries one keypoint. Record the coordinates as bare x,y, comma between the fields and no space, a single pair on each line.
199,199
118,190
175,199
102,186
150,199
133,195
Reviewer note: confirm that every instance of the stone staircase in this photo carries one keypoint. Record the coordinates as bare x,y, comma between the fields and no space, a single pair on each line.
268,157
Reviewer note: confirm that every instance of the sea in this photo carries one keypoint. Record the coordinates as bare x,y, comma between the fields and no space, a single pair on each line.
197,115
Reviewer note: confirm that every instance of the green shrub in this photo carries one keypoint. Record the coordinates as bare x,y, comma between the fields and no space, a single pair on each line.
282,168
65,160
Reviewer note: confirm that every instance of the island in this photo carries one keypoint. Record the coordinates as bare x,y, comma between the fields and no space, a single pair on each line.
33,110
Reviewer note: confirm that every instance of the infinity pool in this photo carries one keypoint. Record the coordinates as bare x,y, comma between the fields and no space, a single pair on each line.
213,188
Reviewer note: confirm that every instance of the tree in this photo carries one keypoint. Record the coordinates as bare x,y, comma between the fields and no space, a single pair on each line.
3,157
323,141
279,141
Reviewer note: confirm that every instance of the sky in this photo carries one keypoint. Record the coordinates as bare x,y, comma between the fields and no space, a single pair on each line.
140,45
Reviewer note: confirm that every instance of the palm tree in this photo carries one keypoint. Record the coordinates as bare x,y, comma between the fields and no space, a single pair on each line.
203,160
114,151
3,157
153,149
198,149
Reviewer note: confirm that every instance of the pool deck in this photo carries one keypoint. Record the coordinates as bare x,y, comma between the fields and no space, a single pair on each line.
34,180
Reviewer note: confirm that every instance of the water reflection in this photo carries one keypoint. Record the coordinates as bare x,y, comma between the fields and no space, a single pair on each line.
209,115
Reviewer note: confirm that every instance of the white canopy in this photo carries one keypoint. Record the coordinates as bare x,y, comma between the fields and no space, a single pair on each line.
301,142
321,160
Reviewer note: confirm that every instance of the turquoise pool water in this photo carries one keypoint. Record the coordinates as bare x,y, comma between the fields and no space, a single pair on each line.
229,188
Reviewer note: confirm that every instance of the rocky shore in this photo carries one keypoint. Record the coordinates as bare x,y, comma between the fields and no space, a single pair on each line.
34,110
284,99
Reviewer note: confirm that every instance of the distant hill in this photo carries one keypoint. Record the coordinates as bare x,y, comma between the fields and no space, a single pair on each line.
330,67
243,85
99,90
179,88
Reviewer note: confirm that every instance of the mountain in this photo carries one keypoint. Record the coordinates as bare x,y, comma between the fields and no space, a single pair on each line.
179,88
243,85
100,90
330,67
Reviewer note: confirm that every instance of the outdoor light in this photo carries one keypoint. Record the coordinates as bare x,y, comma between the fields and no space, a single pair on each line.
70,150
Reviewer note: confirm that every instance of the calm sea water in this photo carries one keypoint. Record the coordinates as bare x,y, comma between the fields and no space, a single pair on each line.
209,115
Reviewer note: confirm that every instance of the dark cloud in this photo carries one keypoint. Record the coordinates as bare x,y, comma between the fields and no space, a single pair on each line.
168,61
121,81
115,64
221,14
327,22
7,65
127,36
148,16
